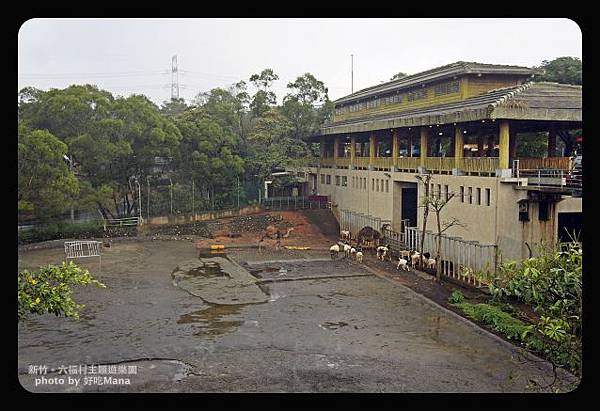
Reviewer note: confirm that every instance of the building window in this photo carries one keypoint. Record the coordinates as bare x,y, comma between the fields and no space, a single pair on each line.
344,181
322,178
488,196
523,211
462,194
372,184
328,178
387,186
439,191
446,193
377,185
417,95
447,88
470,195
337,180
478,196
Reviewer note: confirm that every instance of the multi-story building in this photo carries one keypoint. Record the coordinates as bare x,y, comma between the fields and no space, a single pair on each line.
462,123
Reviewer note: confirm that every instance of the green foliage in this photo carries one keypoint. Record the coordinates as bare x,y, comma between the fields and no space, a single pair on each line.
496,319
398,76
49,290
552,284
456,297
45,183
567,70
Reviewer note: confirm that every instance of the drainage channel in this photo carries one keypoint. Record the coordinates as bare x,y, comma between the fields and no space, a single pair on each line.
323,277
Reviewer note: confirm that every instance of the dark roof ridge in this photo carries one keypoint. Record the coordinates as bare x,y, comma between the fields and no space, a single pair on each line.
467,67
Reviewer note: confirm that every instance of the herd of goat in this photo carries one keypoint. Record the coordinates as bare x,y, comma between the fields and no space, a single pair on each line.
407,258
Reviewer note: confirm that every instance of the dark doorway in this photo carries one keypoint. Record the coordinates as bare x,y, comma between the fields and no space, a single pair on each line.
409,205
570,222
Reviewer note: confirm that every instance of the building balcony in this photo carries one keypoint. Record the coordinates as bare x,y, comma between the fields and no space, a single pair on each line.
479,164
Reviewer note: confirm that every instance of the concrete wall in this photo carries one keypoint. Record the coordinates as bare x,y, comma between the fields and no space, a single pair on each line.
497,223
207,216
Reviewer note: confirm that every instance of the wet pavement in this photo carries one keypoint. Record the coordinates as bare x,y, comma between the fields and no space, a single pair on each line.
323,326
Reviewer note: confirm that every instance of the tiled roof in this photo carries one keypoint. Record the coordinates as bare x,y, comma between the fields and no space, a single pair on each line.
438,73
530,101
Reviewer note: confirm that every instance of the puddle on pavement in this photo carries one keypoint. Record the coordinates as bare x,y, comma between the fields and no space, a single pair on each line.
333,326
210,319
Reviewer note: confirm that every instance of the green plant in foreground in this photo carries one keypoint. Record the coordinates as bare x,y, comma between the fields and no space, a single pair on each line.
48,290
497,319
456,297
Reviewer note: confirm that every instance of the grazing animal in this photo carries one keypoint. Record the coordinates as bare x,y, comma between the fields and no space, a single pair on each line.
402,263
352,251
405,254
359,256
427,255
347,250
345,234
334,250
414,258
431,263
382,252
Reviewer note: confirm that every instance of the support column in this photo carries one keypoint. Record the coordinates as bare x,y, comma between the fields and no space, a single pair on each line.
372,147
552,142
410,145
512,146
424,140
352,151
395,146
336,148
504,143
459,145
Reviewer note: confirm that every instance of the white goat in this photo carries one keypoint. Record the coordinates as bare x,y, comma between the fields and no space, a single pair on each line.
359,256
352,251
347,250
345,234
431,263
382,252
334,250
402,263
414,258
405,254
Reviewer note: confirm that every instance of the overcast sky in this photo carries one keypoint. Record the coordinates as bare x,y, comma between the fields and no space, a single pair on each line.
127,56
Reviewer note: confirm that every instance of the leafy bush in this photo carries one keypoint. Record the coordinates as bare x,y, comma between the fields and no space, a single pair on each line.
48,290
497,319
456,297
552,284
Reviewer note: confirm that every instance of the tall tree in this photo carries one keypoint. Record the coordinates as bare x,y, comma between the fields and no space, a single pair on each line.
302,105
45,183
264,98
566,70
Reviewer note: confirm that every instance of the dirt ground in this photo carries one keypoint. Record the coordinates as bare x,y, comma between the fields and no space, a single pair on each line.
326,326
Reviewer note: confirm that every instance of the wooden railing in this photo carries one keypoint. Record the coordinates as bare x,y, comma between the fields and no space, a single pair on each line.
554,163
479,164
327,162
362,162
383,162
408,163
439,163
343,161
